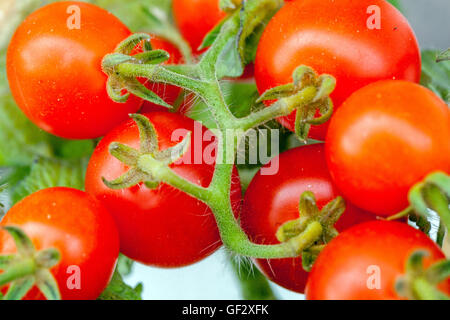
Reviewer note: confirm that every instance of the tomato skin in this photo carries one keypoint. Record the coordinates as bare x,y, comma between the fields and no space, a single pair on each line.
55,73
79,227
272,200
163,227
167,92
341,270
332,37
384,139
196,18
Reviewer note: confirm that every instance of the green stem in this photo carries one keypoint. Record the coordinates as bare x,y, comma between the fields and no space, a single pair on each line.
282,107
20,269
161,74
207,64
235,239
165,174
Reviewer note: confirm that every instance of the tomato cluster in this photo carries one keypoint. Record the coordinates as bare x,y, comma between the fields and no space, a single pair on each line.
387,134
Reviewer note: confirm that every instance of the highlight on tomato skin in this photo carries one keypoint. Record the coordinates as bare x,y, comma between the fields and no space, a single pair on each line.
378,249
44,63
385,138
332,37
272,200
79,227
161,227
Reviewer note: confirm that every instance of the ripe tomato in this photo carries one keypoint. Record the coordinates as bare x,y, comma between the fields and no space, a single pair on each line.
344,268
332,36
384,139
196,18
79,227
167,92
162,227
272,200
55,72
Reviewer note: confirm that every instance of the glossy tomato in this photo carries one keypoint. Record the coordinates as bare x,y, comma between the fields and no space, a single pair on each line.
78,226
272,200
163,227
384,139
346,268
54,69
196,18
333,37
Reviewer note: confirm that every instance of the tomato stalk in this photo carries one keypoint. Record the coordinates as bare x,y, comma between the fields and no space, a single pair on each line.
308,93
433,194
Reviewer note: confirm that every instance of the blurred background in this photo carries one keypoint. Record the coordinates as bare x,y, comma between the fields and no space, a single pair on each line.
215,277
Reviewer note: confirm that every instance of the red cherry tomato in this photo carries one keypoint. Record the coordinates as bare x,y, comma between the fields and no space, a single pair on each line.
332,36
384,139
272,200
163,227
196,18
55,72
343,269
79,227
168,93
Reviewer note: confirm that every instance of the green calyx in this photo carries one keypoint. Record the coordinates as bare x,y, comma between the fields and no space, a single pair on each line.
146,163
118,86
28,268
421,284
433,194
315,88
311,218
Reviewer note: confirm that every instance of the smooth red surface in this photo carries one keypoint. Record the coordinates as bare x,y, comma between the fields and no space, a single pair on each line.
332,37
342,270
384,139
196,18
163,227
272,200
79,227
55,73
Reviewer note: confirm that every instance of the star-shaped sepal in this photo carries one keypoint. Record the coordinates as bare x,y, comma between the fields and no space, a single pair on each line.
420,283
145,162
28,268
310,215
309,94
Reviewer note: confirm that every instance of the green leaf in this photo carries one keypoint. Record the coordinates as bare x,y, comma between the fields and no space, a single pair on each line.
444,56
436,76
396,3
71,149
47,173
211,36
119,290
230,63
20,140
